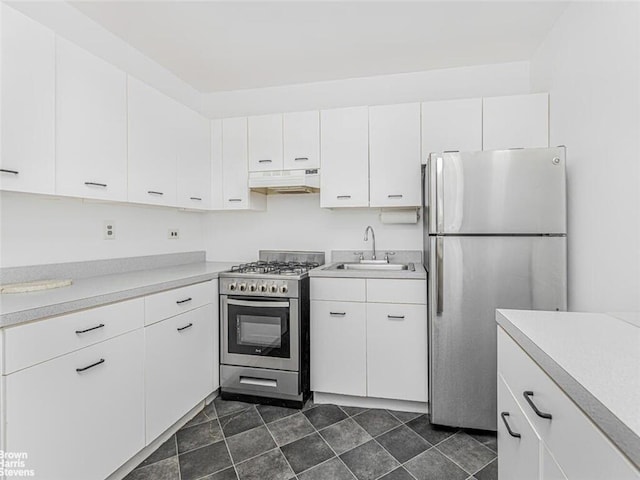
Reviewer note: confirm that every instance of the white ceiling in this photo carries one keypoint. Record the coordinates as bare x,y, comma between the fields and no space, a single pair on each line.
218,46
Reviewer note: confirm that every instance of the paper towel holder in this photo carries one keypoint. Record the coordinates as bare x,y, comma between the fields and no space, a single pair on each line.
400,215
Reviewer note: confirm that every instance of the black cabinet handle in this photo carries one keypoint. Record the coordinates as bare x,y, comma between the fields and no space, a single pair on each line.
527,396
184,301
235,200
266,160
89,329
189,325
504,416
90,366
196,198
153,192
343,196
394,196
338,314
301,159
12,172
395,317
96,184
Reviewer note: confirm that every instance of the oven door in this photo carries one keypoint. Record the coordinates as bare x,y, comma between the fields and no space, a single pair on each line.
259,332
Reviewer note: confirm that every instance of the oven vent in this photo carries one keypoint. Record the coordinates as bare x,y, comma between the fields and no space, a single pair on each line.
285,181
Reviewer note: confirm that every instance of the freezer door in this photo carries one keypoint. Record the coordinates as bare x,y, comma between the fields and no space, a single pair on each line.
469,278
498,192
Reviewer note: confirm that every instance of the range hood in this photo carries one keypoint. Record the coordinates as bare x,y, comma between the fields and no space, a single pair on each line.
285,181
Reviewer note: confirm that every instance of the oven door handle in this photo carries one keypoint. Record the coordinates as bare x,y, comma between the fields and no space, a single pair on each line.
254,303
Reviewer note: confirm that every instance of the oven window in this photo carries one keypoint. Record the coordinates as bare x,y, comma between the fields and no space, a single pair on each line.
259,331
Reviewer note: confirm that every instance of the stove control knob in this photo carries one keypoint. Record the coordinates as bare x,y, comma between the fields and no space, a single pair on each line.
263,287
252,287
232,286
284,289
273,288
242,287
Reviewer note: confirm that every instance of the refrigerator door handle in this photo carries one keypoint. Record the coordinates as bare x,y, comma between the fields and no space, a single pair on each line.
439,276
439,194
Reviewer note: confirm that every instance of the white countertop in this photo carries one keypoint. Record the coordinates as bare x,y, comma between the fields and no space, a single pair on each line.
599,352
16,308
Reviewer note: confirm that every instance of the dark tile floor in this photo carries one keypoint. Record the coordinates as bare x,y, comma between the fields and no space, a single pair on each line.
234,440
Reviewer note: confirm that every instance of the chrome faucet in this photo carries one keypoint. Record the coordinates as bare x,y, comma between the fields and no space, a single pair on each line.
373,239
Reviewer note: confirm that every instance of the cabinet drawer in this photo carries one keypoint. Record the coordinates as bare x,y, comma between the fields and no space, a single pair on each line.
338,348
578,446
397,291
397,351
173,302
37,342
340,289
79,425
178,367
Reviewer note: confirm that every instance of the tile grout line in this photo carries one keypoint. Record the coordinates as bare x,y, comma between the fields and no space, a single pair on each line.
448,457
175,440
224,438
276,443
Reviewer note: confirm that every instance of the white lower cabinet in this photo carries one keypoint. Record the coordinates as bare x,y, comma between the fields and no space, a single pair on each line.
396,351
81,415
366,348
338,347
579,448
178,367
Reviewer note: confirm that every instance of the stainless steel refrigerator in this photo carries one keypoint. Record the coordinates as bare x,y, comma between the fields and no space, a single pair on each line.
495,237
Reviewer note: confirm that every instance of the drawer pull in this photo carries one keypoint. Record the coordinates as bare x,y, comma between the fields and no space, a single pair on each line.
89,329
95,184
338,314
153,192
527,396
395,317
189,325
234,200
266,160
90,366
259,382
504,416
394,196
343,196
179,302
301,159
12,172
199,199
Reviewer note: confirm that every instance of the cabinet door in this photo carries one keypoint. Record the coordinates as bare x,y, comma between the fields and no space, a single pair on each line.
215,312
27,103
216,165
235,170
193,160
519,456
344,146
152,145
394,156
91,125
397,351
451,125
301,140
265,142
338,348
178,367
518,121
93,420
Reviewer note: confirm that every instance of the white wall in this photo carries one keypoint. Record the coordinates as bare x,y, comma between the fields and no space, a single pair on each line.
590,64
465,82
296,222
37,229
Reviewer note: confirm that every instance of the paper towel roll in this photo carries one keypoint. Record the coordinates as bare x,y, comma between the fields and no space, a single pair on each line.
405,215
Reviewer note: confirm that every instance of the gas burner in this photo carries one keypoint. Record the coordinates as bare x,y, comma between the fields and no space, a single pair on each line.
275,267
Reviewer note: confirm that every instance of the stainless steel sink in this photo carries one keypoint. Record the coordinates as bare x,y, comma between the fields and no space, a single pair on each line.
375,266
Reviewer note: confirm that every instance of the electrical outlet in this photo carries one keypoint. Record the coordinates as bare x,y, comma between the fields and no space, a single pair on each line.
174,234
109,230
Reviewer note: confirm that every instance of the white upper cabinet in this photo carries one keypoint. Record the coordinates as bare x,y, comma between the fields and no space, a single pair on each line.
91,125
235,168
394,155
265,142
451,125
194,162
27,150
516,121
152,145
216,165
301,140
344,143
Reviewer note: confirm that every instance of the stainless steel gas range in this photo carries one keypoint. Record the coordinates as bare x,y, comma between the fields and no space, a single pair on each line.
264,328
